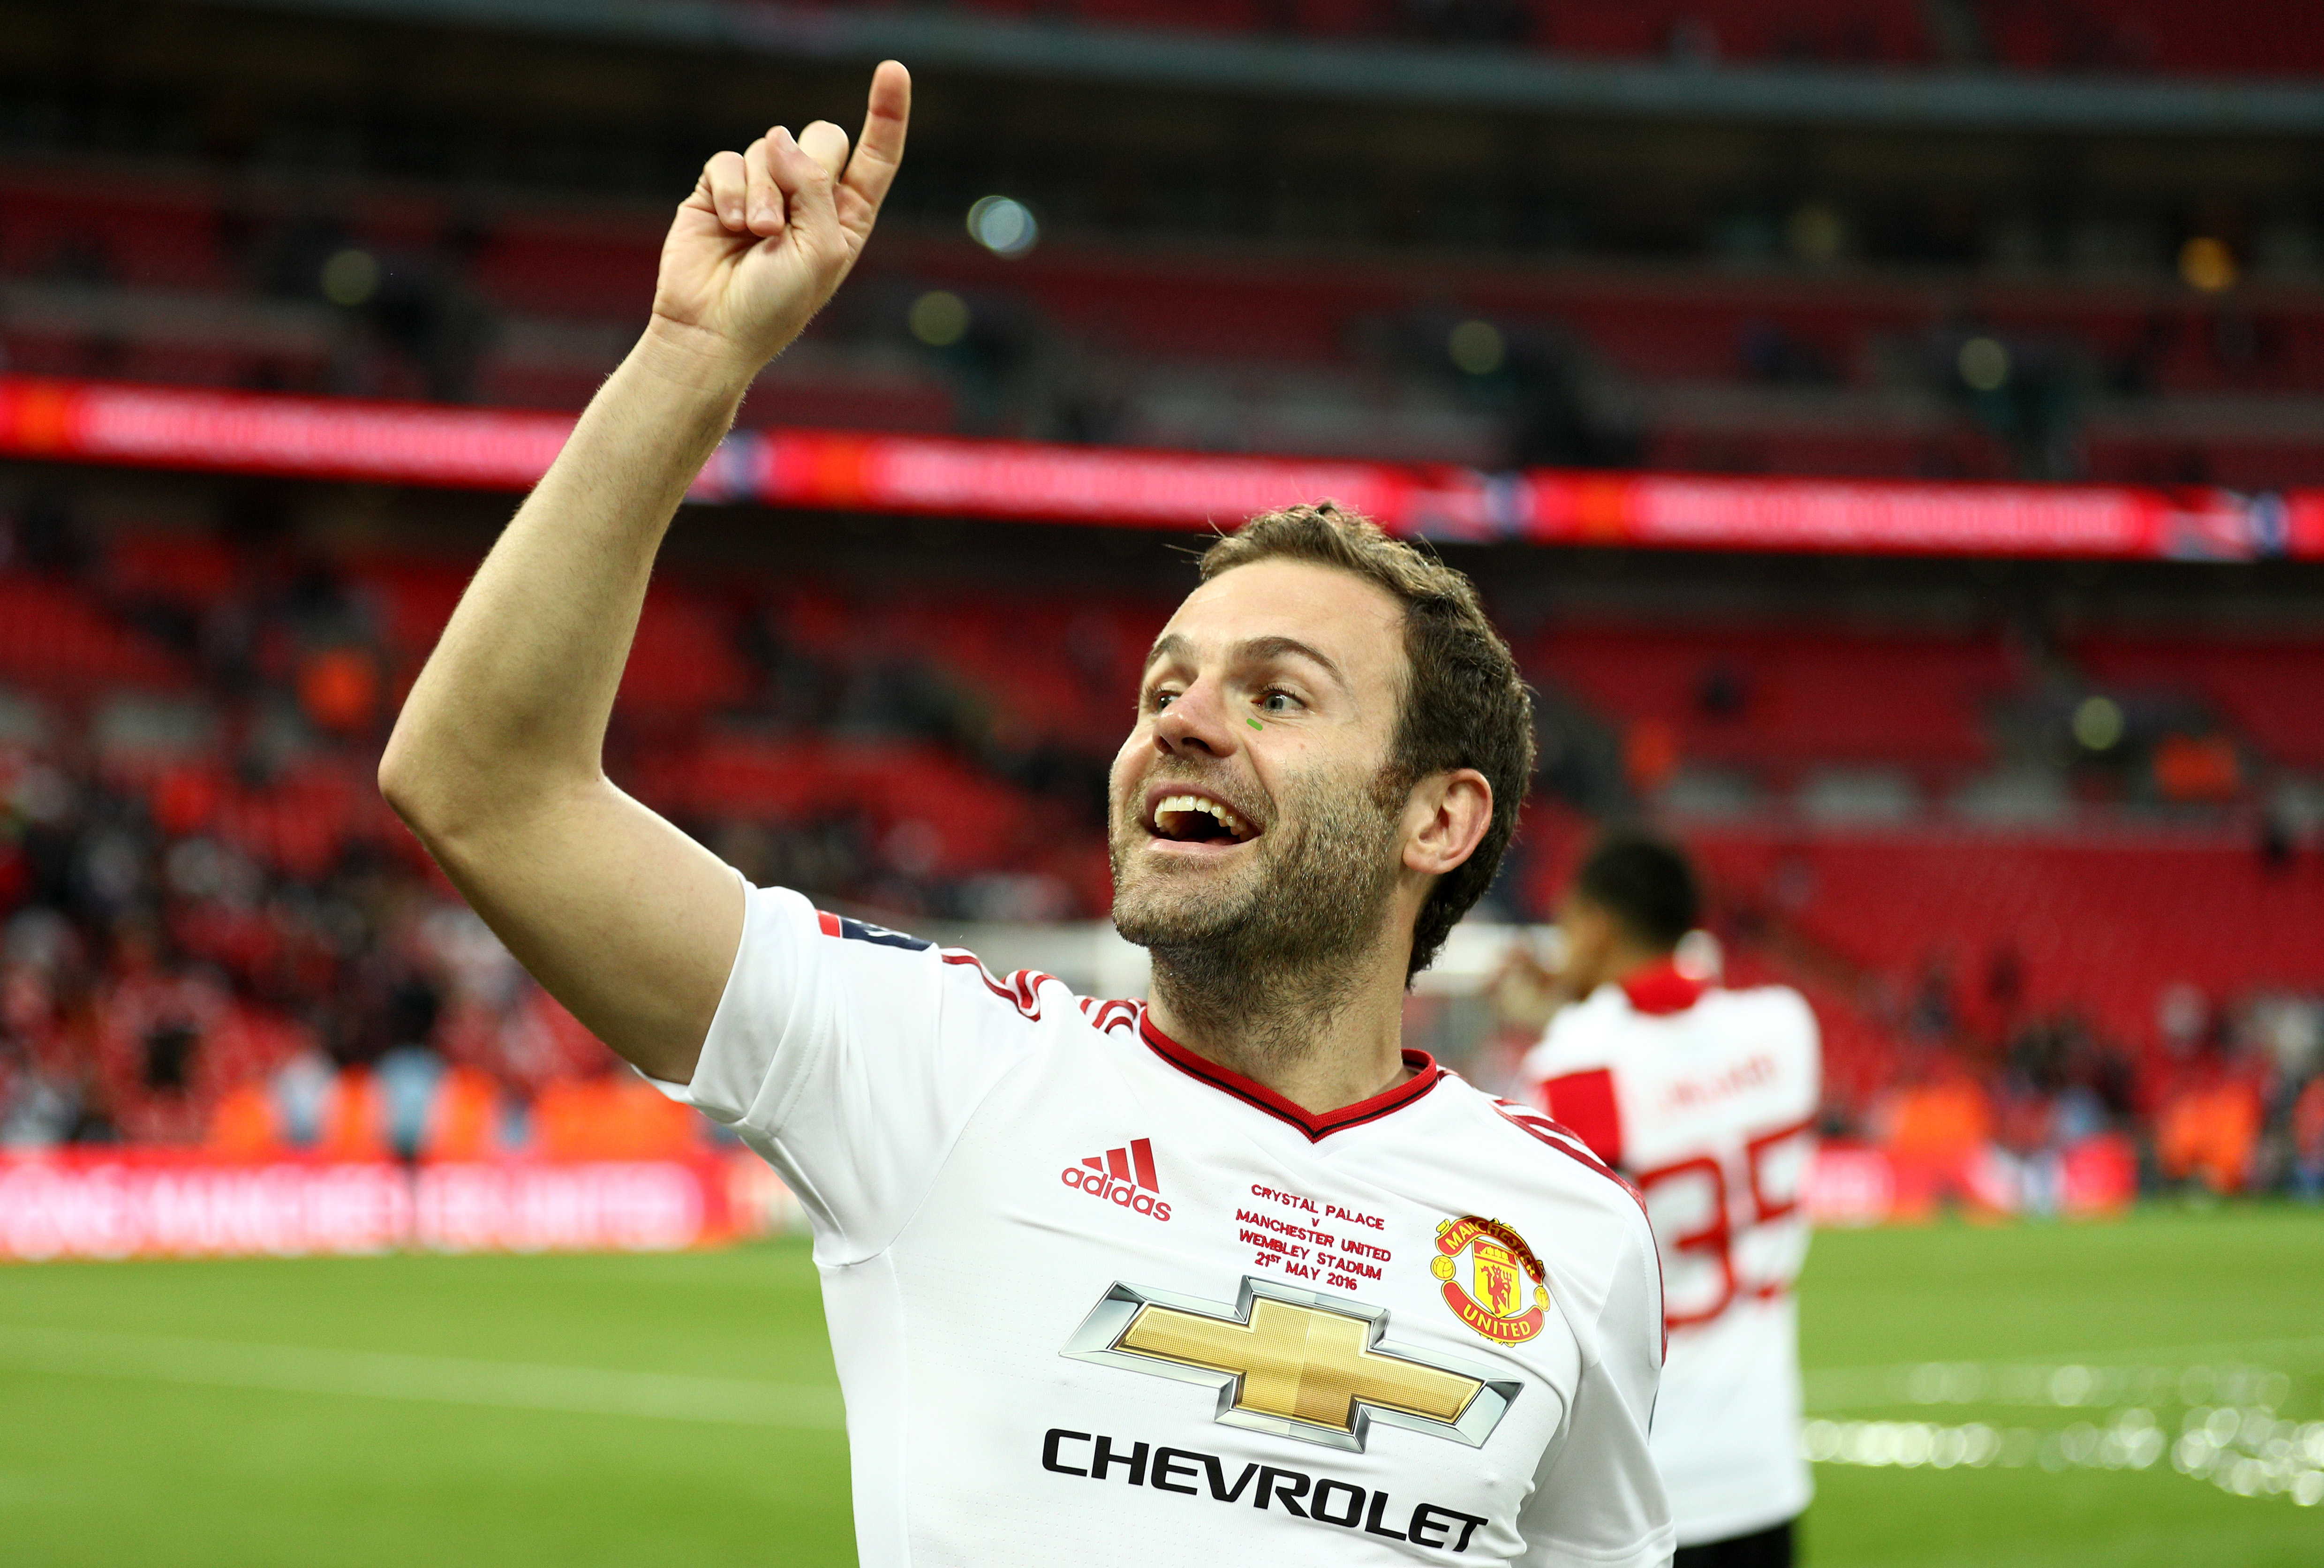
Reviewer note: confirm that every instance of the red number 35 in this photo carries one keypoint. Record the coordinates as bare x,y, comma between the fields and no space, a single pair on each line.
1701,1278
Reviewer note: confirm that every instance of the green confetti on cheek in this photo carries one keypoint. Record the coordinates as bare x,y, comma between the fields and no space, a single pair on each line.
1254,724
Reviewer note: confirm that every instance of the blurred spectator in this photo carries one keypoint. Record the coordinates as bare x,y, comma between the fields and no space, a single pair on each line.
2182,1017
2197,767
2206,1131
2004,979
2308,1141
1935,1011
408,1078
1650,755
1939,1118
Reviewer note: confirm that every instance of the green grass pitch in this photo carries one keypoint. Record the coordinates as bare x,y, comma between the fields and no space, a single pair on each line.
568,1412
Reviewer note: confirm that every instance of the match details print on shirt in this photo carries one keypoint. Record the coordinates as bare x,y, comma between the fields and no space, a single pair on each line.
1286,1233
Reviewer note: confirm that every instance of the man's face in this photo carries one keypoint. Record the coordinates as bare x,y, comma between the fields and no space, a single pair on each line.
1590,937
1246,802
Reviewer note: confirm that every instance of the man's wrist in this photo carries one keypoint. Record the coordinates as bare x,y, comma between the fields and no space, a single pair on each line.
694,361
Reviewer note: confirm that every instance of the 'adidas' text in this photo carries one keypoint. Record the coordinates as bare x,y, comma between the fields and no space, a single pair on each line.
1124,1175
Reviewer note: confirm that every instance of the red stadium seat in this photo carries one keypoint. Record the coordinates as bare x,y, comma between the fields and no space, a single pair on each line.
1783,701
56,636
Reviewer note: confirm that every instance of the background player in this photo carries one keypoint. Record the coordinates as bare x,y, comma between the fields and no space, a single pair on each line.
1705,1098
1371,1271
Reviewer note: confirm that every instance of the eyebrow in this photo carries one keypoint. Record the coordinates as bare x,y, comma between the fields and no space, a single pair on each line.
1174,645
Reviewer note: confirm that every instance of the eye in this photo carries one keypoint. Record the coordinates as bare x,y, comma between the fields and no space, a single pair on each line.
1276,700
1160,697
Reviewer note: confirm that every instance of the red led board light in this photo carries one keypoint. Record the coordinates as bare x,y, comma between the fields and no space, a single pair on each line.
507,449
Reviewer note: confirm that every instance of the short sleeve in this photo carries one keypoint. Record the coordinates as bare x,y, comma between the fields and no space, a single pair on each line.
1568,1048
851,1057
1599,1500
1586,1102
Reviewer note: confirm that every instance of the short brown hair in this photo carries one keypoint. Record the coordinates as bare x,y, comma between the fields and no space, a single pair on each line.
1464,705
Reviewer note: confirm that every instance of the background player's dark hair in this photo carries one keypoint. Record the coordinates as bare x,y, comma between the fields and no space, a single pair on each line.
1645,883
1464,704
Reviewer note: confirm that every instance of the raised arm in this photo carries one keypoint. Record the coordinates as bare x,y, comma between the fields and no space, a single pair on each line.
496,759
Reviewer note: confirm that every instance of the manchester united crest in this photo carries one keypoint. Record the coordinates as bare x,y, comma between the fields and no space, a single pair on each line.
1506,1293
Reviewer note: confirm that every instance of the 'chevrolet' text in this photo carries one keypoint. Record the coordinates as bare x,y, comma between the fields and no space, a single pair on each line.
1195,1474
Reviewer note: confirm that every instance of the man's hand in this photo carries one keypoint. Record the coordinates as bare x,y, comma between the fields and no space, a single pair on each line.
769,233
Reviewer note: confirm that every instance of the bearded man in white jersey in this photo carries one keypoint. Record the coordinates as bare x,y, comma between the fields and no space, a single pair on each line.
1705,1097
1228,1276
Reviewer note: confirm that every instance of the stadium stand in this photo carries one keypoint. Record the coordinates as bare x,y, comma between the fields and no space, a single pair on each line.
205,892
1753,362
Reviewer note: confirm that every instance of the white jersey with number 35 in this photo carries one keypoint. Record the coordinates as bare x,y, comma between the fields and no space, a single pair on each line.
1706,1098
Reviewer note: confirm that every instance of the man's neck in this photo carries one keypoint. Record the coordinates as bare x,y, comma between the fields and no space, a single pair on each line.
1626,959
1322,1039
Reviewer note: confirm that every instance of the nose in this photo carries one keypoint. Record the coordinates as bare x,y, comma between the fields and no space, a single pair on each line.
1195,723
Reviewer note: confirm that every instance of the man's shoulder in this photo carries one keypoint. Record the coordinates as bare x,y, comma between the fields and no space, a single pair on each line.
1599,1016
1581,1035
1537,1156
1766,1015
1771,998
881,953
1605,1024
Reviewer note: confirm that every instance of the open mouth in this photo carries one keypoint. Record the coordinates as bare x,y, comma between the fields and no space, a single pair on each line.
1188,818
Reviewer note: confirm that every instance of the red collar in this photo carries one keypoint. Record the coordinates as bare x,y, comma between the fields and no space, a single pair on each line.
1425,1074
1660,989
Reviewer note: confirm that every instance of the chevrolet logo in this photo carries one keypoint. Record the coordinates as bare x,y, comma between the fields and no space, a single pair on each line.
1294,1363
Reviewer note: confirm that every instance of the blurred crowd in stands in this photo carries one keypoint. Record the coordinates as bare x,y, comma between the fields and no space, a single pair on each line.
213,935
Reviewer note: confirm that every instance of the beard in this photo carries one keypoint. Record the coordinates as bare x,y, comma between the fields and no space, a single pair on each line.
1268,953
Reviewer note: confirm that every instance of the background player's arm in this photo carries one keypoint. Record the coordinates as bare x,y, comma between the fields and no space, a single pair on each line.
496,761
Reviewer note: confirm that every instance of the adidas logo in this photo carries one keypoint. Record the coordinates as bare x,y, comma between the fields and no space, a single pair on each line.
1121,1176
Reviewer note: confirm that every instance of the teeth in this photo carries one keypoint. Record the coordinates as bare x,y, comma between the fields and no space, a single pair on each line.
1226,818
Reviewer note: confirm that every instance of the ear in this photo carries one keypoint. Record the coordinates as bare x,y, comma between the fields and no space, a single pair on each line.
1445,820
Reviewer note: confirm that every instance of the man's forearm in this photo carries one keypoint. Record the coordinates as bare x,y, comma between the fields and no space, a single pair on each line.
496,760
515,699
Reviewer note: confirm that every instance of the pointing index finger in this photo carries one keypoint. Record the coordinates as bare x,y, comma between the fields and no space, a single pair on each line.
881,148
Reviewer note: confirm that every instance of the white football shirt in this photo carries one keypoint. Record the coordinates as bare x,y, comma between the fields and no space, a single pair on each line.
1096,1300
1706,1099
